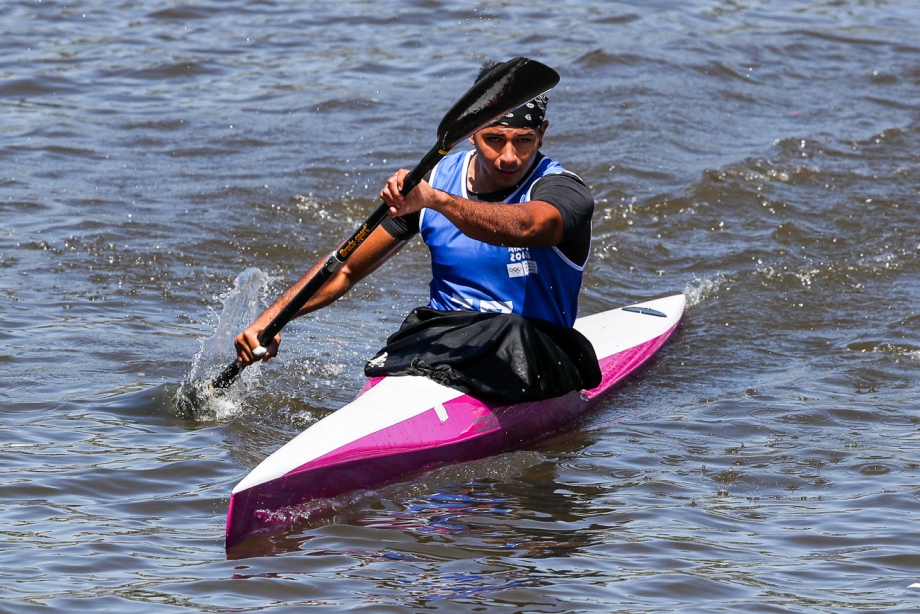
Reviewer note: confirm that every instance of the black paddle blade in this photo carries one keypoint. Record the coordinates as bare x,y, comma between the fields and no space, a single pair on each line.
502,89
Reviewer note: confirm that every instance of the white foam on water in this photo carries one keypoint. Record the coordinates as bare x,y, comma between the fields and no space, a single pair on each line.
702,289
241,305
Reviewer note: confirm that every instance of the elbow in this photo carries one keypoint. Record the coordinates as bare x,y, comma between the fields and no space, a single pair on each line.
541,225
529,233
533,234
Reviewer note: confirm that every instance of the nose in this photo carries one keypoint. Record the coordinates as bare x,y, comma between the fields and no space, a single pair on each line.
508,155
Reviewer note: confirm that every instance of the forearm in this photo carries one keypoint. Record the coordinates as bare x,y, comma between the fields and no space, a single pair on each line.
336,286
372,253
376,250
530,224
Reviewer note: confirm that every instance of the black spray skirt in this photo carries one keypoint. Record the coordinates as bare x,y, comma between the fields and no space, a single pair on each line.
503,357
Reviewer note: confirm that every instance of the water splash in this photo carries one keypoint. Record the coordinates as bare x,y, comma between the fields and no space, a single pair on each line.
702,289
241,306
194,399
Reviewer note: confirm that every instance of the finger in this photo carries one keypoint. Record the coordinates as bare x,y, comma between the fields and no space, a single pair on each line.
243,354
273,347
394,185
387,191
247,344
390,195
241,349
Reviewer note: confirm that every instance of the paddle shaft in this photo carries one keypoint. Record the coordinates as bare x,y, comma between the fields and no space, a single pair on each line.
332,264
505,87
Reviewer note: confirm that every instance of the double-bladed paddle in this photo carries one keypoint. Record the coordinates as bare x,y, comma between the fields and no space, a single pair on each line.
504,88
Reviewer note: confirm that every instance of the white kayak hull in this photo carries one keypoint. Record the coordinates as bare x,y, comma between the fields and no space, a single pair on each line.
398,425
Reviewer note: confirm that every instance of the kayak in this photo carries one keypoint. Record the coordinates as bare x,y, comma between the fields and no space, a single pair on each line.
399,425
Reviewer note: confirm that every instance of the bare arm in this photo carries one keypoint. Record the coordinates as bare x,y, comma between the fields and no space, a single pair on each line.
379,247
530,224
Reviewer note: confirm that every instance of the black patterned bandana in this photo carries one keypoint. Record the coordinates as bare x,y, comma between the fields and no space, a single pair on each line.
528,115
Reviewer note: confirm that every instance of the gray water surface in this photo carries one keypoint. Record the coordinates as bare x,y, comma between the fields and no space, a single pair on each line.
760,157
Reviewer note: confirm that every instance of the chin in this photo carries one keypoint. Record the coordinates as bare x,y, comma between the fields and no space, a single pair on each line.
506,181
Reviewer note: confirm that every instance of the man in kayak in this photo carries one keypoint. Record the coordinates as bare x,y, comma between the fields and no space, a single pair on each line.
509,231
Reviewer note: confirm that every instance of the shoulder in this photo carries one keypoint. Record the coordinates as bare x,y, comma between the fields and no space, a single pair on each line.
567,192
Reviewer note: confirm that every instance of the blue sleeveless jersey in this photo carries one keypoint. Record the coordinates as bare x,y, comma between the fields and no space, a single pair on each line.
536,282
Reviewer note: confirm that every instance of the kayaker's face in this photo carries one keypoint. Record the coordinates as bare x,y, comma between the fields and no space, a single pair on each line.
503,155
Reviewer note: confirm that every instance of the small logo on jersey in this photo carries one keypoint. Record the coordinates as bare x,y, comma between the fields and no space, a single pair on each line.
522,268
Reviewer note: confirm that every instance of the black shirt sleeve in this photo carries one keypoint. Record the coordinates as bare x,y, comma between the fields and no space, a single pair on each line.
404,227
575,203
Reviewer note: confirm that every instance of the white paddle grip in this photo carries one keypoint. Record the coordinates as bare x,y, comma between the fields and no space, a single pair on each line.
260,351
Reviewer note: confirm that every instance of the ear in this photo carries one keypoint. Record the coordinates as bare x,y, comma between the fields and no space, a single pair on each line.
541,131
